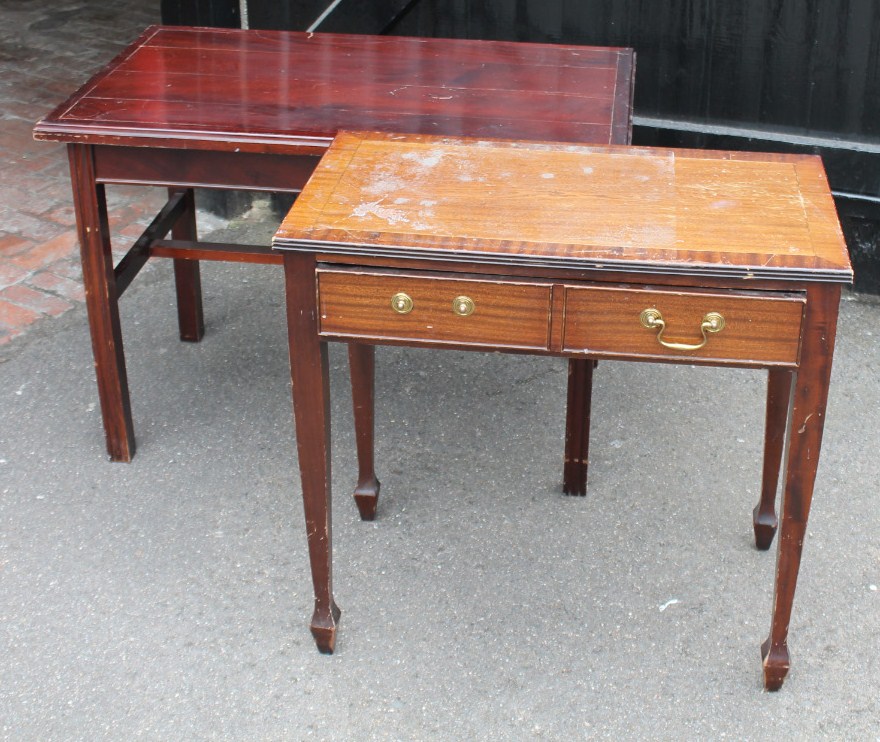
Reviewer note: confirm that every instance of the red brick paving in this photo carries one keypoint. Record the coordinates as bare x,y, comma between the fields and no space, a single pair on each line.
63,215
44,254
61,286
13,316
46,52
10,273
12,244
35,300
69,268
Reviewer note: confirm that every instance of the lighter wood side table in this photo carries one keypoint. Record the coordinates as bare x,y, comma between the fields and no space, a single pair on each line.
717,258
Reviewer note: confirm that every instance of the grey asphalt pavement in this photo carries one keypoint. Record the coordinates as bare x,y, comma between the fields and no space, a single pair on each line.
169,598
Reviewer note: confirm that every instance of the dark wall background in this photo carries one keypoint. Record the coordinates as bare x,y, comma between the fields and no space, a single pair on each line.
783,75
810,65
350,16
771,75
218,13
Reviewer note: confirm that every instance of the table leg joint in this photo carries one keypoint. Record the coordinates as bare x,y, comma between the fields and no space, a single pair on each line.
137,256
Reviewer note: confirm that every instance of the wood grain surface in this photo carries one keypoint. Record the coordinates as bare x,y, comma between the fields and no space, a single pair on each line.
267,90
505,315
758,329
528,203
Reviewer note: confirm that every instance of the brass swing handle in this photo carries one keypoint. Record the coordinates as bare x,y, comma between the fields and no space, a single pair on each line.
653,320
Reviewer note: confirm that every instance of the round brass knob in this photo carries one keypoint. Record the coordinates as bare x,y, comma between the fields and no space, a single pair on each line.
714,322
401,303
463,306
650,318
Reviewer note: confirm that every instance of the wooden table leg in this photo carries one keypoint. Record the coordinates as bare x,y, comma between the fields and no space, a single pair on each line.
187,276
778,401
361,361
311,406
577,426
102,302
805,438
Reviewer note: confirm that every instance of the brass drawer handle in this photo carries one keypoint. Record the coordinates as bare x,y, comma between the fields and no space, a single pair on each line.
463,306
653,320
402,303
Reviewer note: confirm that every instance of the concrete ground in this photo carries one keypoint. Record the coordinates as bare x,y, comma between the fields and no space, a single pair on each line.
169,598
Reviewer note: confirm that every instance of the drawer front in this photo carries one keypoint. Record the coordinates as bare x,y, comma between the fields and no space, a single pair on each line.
433,309
756,329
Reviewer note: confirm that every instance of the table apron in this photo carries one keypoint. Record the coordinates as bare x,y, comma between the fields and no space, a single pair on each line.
251,171
589,319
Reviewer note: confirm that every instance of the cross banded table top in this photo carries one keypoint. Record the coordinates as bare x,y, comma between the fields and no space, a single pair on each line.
631,209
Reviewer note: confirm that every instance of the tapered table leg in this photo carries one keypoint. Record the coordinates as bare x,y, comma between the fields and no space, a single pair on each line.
778,399
361,361
187,275
805,438
311,407
577,426
102,303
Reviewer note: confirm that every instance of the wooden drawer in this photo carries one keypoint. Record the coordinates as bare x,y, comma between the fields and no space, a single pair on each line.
757,328
504,313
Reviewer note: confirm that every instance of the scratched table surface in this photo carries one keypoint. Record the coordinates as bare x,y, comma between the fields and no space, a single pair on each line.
741,215
252,90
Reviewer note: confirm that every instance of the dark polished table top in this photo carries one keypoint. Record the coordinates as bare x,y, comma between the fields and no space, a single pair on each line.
255,110
268,90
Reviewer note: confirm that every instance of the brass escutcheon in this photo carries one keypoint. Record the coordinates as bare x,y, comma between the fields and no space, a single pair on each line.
653,320
463,306
401,303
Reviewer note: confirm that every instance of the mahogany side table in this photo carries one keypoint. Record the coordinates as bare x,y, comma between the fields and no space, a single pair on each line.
254,110
730,259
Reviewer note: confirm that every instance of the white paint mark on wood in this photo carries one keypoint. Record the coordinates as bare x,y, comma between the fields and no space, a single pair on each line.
375,208
428,160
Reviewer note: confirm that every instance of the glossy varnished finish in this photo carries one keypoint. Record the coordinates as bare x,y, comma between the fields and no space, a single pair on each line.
254,110
226,89
577,435
102,301
250,171
362,365
309,380
505,314
806,423
751,237
760,328
764,520
187,276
